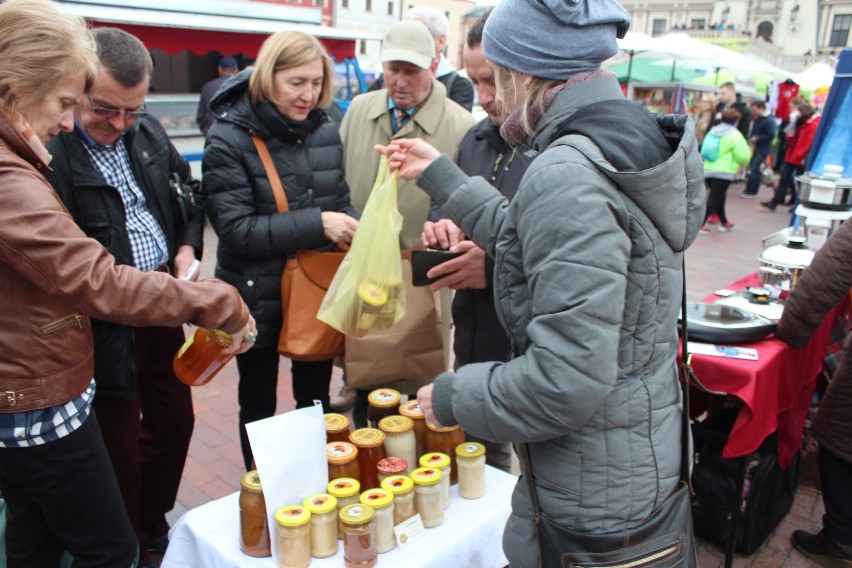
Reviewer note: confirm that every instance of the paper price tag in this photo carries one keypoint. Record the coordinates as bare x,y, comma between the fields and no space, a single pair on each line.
409,531
731,352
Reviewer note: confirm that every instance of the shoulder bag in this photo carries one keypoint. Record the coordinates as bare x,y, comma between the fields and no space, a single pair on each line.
306,278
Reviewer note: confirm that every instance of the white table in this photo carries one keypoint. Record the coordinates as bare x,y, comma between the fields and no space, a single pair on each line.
471,535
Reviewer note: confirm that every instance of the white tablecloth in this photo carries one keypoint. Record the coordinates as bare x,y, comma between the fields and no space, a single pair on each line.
471,535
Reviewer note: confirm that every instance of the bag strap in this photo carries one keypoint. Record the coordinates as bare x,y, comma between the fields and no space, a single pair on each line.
271,174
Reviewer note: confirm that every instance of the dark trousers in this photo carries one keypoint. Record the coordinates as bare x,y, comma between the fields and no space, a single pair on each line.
753,183
835,475
64,496
148,454
258,368
718,190
787,180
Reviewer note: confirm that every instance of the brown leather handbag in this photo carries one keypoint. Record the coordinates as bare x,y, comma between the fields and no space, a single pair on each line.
304,282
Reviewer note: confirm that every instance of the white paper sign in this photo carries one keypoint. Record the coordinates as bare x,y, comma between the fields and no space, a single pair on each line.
409,531
730,351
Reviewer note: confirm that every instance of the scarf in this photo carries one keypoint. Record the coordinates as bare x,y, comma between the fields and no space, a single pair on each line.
23,127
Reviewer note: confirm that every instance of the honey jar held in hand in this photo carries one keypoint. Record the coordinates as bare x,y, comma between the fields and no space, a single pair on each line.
202,356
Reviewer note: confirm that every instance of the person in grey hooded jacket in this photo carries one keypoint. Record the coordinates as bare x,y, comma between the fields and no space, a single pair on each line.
588,259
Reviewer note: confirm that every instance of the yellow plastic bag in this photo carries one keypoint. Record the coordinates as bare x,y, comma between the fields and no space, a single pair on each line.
367,293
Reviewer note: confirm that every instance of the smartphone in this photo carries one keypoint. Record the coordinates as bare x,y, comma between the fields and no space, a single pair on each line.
193,268
422,261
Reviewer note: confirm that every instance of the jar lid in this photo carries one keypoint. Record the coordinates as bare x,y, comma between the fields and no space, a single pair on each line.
221,337
398,484
344,487
372,294
470,450
426,475
250,481
340,452
446,429
435,459
411,408
367,437
376,498
356,514
320,503
392,466
396,424
335,423
384,398
292,516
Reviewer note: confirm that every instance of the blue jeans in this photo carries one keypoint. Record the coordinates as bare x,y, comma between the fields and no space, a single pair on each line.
753,183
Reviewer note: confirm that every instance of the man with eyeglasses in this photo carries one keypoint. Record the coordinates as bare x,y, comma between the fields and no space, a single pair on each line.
112,172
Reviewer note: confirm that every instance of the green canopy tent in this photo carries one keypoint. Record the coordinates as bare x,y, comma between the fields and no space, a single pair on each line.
653,70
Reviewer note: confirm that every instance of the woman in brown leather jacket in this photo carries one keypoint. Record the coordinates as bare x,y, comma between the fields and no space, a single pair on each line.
55,474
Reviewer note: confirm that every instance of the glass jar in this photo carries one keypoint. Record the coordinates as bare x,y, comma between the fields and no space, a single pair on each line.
336,428
391,466
254,528
202,356
373,298
359,543
370,444
441,462
445,440
323,509
342,460
294,536
427,495
399,438
382,402
382,503
411,409
470,460
403,497
345,490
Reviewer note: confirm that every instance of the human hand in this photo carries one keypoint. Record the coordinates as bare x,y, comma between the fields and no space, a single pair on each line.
410,156
441,234
244,339
463,272
338,227
424,399
183,260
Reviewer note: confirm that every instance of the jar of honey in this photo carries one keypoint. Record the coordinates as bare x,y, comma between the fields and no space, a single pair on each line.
403,497
202,356
441,462
427,495
411,409
382,402
323,509
470,459
373,298
391,466
336,428
382,503
399,438
346,491
445,440
294,537
342,460
254,528
370,443
359,542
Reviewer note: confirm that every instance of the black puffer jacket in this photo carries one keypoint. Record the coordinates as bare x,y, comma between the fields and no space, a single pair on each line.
254,239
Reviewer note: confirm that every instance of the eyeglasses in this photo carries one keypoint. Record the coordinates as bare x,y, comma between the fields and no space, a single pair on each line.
113,112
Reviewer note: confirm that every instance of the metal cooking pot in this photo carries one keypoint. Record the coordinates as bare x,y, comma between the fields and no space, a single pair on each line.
826,194
790,260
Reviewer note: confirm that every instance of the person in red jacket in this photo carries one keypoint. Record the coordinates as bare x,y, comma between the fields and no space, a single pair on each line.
798,146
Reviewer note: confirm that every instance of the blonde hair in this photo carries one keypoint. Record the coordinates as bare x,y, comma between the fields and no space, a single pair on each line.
533,105
285,50
41,47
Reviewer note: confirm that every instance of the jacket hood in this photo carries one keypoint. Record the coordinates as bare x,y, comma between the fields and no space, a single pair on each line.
231,103
722,129
656,162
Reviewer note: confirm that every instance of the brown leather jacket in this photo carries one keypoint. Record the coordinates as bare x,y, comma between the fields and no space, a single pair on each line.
53,277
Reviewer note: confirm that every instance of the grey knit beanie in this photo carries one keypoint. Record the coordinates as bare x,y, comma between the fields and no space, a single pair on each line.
554,39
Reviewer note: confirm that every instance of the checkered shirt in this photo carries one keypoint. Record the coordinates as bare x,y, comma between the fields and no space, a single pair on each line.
45,425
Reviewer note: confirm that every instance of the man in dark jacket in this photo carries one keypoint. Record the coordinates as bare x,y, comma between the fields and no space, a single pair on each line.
479,336
728,98
112,172
761,137
228,67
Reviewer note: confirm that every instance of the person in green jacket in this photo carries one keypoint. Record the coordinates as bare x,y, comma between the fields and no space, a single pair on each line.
725,150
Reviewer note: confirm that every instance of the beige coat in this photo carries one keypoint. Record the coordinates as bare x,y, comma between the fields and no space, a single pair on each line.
439,121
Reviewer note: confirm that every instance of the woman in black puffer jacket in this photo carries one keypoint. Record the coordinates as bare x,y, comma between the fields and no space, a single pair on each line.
281,99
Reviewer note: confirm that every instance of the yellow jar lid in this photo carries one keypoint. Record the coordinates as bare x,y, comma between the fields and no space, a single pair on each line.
470,450
356,514
340,452
384,398
426,475
436,429
320,503
411,409
372,294
221,337
398,484
250,481
367,437
335,423
395,424
292,516
344,487
377,498
435,459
